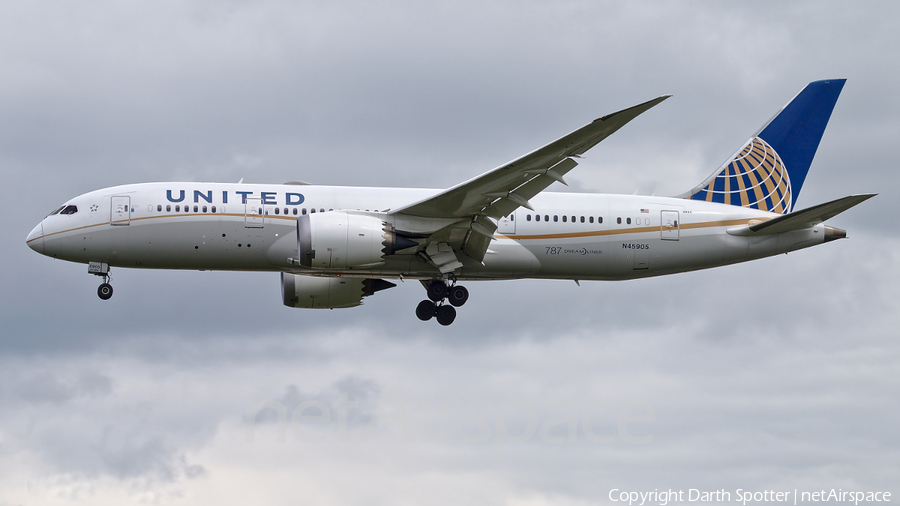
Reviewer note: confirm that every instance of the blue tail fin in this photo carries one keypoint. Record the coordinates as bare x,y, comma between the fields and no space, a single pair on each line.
768,171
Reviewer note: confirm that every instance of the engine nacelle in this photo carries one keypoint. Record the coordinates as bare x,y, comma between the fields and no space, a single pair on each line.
315,292
345,240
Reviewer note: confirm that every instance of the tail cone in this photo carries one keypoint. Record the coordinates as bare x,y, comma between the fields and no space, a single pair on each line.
832,233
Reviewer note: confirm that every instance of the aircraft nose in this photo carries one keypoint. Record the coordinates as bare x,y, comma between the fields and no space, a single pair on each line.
35,239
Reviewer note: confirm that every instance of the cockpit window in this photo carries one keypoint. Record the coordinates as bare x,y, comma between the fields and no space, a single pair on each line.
69,210
57,210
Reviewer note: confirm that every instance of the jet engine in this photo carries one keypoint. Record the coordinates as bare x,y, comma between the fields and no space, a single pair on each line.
314,292
346,240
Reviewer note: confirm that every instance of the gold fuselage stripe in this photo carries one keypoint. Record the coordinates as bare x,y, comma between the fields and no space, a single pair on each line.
633,230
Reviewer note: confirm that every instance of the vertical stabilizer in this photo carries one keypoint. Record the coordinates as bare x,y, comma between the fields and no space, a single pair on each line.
769,170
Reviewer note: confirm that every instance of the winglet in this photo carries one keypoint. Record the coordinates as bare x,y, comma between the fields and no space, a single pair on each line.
638,108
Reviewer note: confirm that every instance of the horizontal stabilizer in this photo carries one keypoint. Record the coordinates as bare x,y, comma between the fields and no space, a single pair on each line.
806,218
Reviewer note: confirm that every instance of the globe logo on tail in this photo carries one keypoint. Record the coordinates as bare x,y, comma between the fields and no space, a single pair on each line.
756,177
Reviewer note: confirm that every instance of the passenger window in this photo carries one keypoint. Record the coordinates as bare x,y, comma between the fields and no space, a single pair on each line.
527,217
295,211
285,210
178,209
159,208
168,208
204,209
213,208
512,217
555,218
618,221
312,210
591,219
321,210
582,219
304,210
564,218
277,211
599,219
537,217
195,209
628,221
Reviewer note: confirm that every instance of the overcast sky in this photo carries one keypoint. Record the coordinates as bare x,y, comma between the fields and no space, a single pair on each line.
778,374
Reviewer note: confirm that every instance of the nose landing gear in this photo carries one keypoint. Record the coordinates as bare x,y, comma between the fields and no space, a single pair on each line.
438,292
105,290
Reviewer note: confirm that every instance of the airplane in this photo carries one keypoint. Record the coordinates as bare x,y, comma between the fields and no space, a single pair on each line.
336,245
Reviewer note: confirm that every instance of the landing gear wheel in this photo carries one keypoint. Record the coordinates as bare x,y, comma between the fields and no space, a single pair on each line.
458,295
426,310
446,315
437,290
105,291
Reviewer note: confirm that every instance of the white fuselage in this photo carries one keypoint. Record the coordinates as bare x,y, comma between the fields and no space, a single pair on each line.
217,226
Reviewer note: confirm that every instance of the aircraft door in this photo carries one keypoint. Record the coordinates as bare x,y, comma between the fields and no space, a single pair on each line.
507,224
254,213
669,225
120,210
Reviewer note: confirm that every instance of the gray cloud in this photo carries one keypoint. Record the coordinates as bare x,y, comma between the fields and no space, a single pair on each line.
773,374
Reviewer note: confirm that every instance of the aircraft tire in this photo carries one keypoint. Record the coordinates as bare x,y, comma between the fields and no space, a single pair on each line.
426,310
458,295
105,291
437,291
446,315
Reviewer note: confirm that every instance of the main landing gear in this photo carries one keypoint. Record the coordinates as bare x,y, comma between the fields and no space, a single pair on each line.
439,293
105,290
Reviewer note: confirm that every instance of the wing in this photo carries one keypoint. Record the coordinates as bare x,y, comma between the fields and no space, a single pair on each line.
464,211
502,190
